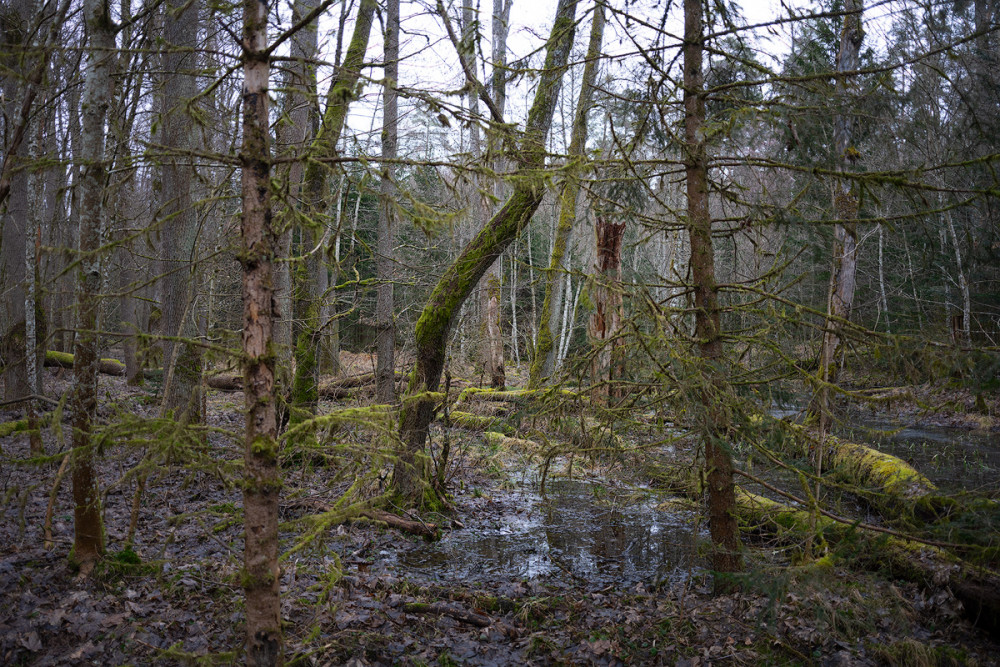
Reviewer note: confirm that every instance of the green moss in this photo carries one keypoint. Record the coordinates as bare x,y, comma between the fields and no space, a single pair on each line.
13,427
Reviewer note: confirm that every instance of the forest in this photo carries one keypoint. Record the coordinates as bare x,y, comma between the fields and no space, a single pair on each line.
607,332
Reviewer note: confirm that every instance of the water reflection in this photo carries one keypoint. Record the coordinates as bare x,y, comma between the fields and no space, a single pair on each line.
580,532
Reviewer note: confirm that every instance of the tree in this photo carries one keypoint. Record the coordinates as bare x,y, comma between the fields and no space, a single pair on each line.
179,228
457,282
543,363
713,420
88,544
262,482
385,376
845,206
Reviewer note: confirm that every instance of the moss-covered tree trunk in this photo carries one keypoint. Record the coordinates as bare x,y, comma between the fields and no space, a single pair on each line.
385,371
978,588
461,277
713,421
88,542
324,147
845,207
544,360
294,131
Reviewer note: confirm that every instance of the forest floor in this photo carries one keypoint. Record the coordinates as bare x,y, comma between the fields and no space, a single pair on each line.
509,583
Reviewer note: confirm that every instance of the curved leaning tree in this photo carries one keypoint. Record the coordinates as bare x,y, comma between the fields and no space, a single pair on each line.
463,275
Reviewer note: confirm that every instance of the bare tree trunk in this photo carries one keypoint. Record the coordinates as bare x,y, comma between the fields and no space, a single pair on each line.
713,420
845,206
608,309
182,359
15,35
385,381
464,274
88,545
543,364
262,481
965,339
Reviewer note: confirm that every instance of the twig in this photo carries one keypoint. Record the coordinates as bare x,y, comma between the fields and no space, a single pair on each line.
472,618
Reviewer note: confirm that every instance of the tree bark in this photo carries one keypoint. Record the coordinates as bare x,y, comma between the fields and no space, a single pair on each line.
845,206
713,422
88,543
464,274
294,132
15,30
544,361
262,481
182,359
606,319
385,385
324,147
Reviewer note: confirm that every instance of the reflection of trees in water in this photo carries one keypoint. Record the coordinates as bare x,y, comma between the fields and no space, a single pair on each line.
574,531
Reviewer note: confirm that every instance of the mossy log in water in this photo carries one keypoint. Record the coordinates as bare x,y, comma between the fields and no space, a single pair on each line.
930,566
65,360
889,483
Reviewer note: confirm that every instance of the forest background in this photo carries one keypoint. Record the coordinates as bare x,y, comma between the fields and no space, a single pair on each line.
630,213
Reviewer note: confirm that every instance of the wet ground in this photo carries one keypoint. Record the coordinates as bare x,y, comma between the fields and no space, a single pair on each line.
585,533
593,571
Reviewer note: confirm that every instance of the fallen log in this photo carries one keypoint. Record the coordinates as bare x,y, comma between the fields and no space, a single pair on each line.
473,422
977,588
428,530
226,382
888,482
55,359
465,616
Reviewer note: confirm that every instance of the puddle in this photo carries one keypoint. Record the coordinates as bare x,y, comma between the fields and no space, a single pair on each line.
582,534
955,459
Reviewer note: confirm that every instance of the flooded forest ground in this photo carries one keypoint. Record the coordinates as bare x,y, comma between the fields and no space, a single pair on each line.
558,547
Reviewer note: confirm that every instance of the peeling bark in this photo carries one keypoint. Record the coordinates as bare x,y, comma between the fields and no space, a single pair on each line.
606,319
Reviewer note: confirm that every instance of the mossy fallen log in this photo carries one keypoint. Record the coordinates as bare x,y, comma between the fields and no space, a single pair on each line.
888,482
500,440
479,423
55,359
17,426
977,588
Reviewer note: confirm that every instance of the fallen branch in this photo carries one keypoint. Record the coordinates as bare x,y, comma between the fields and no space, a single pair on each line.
428,530
470,617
